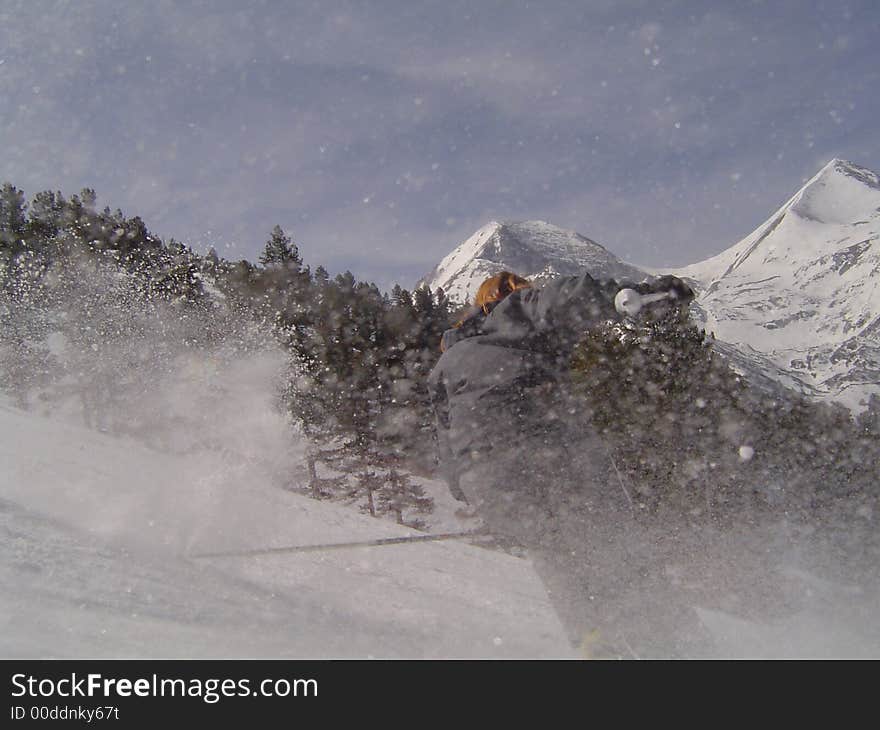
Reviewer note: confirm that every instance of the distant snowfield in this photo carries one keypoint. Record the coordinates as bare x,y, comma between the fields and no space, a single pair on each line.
96,531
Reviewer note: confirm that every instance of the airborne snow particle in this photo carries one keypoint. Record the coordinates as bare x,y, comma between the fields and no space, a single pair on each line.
746,453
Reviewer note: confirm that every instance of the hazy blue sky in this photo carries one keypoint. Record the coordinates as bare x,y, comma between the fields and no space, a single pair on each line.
381,134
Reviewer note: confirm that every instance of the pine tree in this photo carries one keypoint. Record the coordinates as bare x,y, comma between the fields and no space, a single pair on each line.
46,217
13,217
281,251
401,495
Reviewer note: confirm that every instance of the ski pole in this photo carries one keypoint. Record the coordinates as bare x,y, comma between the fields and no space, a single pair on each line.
339,545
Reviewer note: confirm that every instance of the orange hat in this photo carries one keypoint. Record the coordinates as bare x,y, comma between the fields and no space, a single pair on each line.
493,289
497,287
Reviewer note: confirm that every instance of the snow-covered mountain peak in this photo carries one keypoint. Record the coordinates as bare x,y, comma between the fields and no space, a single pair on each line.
841,195
802,292
841,192
535,249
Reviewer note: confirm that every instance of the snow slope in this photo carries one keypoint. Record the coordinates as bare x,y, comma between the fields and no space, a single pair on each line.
100,538
533,249
801,294
97,532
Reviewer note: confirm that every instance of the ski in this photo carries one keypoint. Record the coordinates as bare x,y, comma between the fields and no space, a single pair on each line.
340,545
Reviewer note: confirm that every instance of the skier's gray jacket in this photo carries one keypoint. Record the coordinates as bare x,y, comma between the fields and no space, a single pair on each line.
494,360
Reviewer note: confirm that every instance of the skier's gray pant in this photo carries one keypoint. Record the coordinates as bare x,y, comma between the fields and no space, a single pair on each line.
562,499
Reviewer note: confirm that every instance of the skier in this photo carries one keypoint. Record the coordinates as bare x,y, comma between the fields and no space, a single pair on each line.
500,384
515,444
